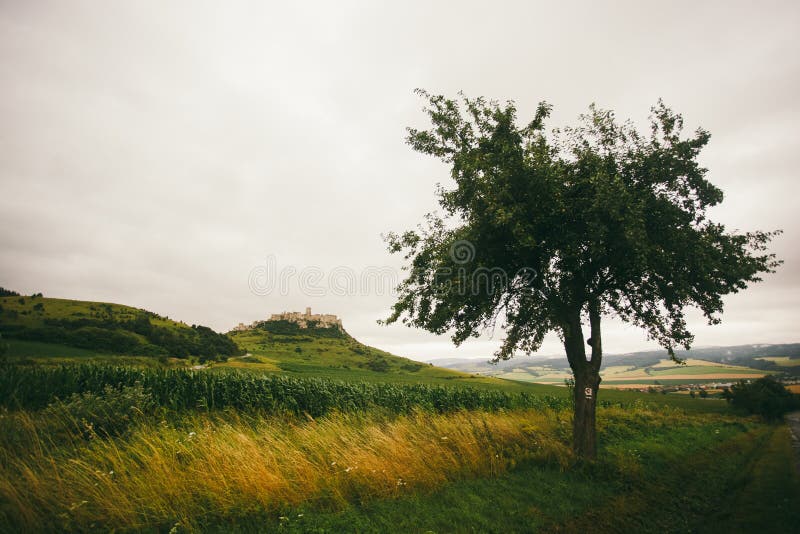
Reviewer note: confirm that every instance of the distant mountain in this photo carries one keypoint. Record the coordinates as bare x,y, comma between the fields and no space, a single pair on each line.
747,355
738,355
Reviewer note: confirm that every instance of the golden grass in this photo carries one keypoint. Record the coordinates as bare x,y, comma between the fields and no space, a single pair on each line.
161,473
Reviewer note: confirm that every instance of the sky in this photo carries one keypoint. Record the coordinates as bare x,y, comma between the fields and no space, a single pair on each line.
217,162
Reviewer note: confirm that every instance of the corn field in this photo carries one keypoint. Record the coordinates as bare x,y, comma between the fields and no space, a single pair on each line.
180,389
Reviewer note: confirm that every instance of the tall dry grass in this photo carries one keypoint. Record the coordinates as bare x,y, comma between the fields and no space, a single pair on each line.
162,473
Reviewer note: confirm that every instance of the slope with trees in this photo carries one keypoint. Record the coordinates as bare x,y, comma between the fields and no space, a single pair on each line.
109,328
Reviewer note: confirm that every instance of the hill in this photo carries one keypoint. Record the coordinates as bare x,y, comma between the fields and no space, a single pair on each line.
642,369
328,351
47,330
100,327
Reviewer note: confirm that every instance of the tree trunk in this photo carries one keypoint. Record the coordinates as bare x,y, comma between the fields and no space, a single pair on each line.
587,380
584,440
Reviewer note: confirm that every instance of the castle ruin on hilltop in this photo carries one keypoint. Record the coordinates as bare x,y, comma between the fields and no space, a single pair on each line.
323,320
303,320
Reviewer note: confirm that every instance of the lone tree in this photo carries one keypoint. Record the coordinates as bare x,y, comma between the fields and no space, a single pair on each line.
546,231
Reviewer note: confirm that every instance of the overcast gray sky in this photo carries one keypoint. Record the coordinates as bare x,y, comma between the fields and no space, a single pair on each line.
158,154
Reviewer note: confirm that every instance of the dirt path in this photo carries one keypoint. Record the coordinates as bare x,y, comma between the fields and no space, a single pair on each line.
793,420
205,366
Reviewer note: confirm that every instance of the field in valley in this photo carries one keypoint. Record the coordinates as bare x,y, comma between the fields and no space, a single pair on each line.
661,372
782,361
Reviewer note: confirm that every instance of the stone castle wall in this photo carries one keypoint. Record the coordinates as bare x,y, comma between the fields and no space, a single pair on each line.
323,320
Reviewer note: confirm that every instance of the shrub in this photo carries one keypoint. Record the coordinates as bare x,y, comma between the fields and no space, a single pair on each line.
766,397
378,365
293,329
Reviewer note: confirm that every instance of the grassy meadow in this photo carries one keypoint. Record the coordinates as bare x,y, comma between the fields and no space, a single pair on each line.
97,448
229,466
312,431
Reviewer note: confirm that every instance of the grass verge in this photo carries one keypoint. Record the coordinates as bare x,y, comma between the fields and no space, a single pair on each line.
509,471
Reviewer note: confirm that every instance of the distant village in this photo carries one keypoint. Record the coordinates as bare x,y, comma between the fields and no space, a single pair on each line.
303,320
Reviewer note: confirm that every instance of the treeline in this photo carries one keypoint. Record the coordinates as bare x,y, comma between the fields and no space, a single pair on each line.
8,293
135,336
766,397
289,328
181,389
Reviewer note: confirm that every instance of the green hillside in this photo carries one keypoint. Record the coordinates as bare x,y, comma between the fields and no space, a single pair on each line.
284,347
50,331
105,328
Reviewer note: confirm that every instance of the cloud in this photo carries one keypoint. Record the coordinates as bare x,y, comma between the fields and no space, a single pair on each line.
153,153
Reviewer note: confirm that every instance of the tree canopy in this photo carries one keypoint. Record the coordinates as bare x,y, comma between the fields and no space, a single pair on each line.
541,229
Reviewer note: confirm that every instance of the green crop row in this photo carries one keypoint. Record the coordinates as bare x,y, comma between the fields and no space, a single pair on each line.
182,389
